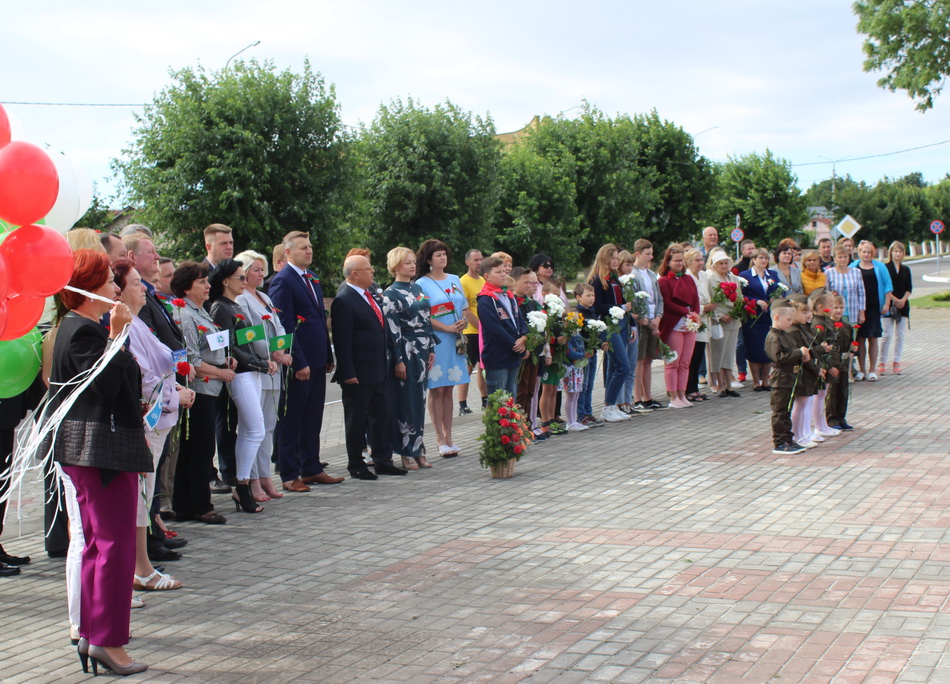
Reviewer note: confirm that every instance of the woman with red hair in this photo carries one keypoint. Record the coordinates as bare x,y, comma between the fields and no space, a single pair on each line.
100,444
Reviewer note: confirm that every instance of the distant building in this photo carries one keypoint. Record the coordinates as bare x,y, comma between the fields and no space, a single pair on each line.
514,136
819,227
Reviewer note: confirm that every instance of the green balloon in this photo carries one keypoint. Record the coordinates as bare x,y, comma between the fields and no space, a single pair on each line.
19,363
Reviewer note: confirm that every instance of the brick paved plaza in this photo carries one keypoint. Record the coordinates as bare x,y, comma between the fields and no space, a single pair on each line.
672,547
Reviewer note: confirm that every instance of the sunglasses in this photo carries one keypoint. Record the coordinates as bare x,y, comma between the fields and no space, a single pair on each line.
547,265
242,278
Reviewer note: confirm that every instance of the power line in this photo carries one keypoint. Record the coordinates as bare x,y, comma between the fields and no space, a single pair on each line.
873,156
77,104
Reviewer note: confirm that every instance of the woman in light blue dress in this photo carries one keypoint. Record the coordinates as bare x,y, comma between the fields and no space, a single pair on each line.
447,303
407,314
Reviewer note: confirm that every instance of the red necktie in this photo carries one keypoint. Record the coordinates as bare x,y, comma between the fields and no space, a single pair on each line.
306,280
372,303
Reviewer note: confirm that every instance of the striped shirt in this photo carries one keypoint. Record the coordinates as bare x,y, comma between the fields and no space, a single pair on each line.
849,285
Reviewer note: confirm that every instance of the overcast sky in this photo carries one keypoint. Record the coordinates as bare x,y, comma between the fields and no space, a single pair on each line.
741,75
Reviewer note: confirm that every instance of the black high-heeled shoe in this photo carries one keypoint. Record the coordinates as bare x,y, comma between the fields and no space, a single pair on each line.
245,500
99,656
82,648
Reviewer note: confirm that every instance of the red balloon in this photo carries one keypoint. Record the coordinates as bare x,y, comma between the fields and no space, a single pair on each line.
39,260
28,183
3,314
4,127
22,314
4,280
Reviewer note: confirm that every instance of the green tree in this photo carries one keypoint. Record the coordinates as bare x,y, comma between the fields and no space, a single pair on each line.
939,197
850,197
537,211
429,173
98,214
762,190
899,210
909,40
260,150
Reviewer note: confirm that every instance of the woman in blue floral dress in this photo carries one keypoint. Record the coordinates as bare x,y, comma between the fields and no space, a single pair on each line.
406,308
447,304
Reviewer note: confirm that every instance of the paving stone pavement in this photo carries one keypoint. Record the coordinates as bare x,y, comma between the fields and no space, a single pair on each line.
672,547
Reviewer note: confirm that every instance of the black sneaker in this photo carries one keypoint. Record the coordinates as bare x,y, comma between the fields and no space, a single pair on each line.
640,407
653,404
464,410
788,449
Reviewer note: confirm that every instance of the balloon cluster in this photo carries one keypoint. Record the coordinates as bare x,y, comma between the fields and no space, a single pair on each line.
35,260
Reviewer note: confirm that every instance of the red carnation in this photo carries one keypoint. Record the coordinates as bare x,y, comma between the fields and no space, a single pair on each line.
502,411
819,328
202,329
505,439
827,310
179,302
504,422
205,379
839,324
856,326
518,448
301,319
516,438
240,317
265,317
183,368
510,402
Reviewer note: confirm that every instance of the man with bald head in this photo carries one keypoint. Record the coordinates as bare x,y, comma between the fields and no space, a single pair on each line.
364,352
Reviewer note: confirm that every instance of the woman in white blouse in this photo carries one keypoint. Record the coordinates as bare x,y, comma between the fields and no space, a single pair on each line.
260,311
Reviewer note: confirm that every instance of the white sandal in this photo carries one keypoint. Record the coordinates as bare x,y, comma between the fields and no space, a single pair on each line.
165,582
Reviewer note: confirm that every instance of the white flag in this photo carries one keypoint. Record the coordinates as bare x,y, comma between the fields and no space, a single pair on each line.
218,340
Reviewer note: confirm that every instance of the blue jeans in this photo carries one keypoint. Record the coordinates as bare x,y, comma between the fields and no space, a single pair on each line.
503,379
627,394
584,403
619,366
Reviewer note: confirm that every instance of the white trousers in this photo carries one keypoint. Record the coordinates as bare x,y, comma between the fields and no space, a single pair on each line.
262,465
156,443
246,393
895,329
77,541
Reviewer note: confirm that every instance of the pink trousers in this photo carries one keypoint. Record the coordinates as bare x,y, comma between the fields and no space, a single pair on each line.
108,558
677,373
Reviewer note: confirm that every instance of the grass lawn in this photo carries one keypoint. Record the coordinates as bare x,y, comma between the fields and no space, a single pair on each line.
929,302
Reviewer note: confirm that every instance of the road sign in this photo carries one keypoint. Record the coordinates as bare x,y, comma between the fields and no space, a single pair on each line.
848,226
737,235
936,227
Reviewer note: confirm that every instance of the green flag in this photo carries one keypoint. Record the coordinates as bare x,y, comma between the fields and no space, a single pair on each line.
245,335
281,342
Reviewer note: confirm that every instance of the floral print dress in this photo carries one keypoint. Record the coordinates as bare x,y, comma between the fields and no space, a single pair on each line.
406,308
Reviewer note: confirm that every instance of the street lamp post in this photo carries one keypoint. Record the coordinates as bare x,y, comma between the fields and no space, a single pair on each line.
246,47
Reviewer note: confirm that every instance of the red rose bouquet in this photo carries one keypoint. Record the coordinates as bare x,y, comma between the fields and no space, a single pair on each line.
507,432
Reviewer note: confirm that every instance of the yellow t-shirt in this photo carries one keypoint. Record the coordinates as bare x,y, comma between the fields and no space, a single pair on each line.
472,286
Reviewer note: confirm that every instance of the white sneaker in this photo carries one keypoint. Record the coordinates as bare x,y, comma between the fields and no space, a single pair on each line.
736,385
576,427
612,414
830,432
816,437
808,444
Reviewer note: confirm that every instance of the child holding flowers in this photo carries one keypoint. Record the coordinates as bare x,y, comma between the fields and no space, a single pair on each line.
787,356
825,334
595,337
806,382
553,358
572,382
836,402
526,282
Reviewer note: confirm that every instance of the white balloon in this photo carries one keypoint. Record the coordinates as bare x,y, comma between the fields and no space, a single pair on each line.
84,188
65,211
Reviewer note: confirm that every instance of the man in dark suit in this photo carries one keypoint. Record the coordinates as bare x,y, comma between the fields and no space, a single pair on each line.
364,348
296,293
